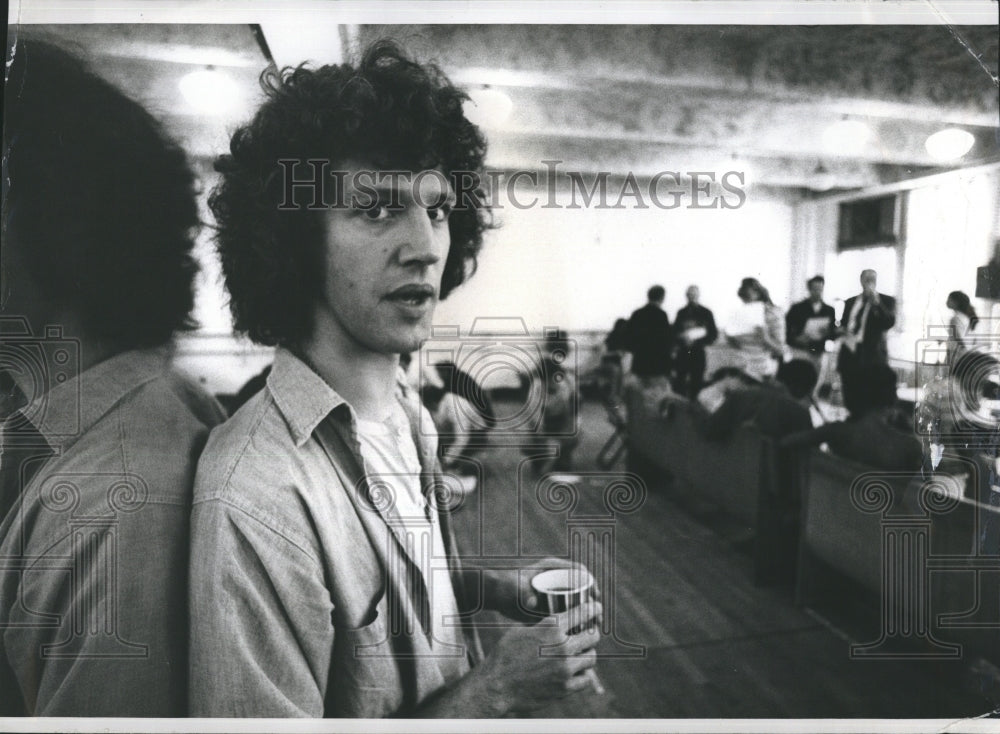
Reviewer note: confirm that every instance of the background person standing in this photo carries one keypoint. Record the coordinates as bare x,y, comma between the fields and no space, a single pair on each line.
694,329
867,318
650,338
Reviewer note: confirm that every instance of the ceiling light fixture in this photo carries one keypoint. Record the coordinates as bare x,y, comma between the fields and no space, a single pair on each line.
846,137
821,179
209,91
949,144
488,107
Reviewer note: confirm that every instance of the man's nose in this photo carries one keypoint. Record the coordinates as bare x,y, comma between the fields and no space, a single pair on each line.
424,243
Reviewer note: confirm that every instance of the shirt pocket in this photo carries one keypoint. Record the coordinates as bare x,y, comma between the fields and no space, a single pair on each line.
366,679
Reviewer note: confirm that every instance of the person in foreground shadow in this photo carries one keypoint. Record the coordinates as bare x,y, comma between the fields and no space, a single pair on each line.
324,575
777,408
99,447
875,434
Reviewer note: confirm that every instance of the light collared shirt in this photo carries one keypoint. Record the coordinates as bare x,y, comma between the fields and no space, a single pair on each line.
305,597
390,453
93,554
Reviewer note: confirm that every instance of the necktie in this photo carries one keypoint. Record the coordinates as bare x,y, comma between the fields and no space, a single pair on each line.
856,327
22,453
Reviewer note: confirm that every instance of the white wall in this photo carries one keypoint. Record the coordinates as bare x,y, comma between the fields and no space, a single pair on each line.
580,269
950,230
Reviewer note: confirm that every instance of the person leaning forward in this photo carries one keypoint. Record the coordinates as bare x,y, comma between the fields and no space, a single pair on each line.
98,450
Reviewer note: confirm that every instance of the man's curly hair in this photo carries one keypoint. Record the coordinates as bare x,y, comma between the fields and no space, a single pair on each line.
390,112
100,202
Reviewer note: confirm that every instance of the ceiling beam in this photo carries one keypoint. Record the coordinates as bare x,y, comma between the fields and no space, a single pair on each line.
649,158
731,87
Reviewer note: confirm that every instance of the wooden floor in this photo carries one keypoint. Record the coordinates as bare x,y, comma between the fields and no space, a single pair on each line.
712,643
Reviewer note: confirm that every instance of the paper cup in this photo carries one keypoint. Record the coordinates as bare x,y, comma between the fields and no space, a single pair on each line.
560,589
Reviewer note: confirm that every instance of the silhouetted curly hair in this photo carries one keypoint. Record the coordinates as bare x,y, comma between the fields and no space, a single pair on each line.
100,201
389,112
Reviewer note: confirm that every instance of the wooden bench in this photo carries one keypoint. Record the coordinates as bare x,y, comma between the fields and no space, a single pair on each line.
908,552
736,476
723,473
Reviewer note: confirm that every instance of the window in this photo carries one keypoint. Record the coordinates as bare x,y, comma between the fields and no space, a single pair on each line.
867,222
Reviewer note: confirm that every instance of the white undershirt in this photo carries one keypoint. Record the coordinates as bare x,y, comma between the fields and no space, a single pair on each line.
390,454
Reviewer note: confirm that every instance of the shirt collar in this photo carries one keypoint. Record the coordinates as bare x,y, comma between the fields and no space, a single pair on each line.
306,399
71,408
303,397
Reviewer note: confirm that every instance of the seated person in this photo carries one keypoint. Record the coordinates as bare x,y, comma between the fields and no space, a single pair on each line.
462,416
872,434
617,338
724,380
964,403
777,407
640,395
962,411
611,369
560,427
464,386
460,427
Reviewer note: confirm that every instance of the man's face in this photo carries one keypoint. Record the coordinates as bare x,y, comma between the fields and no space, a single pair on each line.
692,294
868,279
816,290
385,254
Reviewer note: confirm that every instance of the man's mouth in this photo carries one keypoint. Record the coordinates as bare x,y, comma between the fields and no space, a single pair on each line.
414,294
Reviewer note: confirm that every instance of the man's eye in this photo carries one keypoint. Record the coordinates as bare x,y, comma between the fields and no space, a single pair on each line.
439,213
377,213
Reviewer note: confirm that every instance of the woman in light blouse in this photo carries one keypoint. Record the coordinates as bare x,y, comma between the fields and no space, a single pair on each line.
763,348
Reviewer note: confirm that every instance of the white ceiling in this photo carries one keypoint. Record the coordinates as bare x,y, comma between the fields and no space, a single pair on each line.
622,98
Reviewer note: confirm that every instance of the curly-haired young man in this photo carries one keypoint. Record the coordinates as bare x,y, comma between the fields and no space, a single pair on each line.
324,578
100,436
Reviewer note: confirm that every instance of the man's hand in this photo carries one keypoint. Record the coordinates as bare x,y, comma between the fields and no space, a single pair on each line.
534,666
509,591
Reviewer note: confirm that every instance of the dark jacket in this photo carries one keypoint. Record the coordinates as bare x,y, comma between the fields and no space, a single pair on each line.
691,316
650,339
770,408
795,323
872,348
874,439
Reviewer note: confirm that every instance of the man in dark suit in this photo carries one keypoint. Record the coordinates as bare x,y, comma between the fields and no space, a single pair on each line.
650,337
695,329
809,343
867,318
